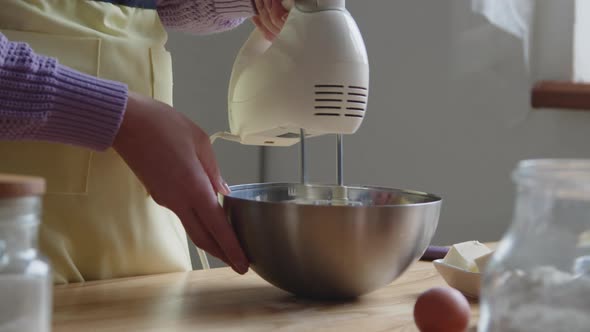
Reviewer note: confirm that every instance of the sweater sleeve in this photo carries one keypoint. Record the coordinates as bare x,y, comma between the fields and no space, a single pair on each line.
42,100
204,16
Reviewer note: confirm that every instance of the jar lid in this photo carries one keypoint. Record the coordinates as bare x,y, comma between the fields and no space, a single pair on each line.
12,186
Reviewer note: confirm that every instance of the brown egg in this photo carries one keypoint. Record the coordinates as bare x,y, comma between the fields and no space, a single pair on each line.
442,310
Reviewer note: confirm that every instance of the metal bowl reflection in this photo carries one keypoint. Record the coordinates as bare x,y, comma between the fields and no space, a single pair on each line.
331,242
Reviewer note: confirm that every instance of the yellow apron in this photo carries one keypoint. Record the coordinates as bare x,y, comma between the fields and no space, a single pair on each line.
98,221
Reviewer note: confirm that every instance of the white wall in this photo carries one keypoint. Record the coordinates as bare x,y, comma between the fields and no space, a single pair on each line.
448,114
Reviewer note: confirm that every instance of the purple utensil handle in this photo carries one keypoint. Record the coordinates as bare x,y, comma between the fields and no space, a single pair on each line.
434,252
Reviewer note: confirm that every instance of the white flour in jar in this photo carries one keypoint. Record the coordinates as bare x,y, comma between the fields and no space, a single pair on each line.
543,300
24,303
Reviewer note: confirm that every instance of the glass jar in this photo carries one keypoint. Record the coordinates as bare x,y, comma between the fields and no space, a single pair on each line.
25,278
539,277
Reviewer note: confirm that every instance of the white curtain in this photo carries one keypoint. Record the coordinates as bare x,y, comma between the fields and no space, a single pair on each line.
554,34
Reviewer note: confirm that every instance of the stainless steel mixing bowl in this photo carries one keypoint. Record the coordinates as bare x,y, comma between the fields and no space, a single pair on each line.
304,240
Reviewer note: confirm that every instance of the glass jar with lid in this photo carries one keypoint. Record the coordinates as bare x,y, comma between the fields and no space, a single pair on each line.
539,277
25,275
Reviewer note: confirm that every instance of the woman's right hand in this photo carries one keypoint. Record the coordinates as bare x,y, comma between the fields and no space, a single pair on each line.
271,17
174,159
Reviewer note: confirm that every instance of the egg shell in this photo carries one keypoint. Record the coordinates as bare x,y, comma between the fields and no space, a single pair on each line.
442,309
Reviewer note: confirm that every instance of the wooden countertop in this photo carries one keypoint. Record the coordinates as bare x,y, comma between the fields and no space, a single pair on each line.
220,300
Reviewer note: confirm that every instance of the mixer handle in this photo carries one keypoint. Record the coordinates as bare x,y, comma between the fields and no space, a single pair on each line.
256,44
315,5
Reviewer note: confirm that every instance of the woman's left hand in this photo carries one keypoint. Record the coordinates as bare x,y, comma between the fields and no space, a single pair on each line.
271,17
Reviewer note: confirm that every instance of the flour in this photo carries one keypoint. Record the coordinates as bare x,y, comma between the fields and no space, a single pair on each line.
24,303
543,300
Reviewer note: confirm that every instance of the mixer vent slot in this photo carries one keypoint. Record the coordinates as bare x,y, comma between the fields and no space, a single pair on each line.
329,100
329,86
357,87
340,98
356,100
329,93
328,107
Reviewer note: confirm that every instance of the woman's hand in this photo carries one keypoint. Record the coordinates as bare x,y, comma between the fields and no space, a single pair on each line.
271,17
175,161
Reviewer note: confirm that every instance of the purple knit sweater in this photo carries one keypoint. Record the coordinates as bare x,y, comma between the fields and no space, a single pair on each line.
41,99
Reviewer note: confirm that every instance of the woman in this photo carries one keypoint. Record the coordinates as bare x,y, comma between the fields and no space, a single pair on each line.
85,95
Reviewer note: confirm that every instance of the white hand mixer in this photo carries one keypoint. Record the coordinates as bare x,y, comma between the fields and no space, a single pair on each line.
314,75
313,79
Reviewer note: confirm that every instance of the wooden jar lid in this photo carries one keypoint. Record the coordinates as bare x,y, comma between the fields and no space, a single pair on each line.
12,186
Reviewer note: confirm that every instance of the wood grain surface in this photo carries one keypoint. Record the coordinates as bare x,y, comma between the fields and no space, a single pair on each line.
220,300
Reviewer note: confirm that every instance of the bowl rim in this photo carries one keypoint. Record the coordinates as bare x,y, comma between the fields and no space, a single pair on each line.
433,199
